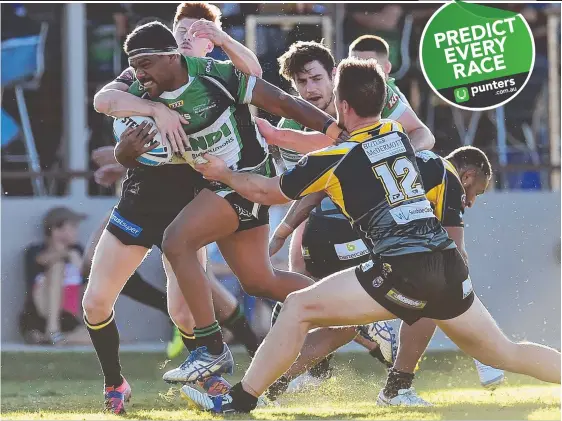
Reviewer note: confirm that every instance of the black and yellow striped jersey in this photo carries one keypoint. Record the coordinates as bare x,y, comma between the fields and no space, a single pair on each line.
375,182
443,188
441,183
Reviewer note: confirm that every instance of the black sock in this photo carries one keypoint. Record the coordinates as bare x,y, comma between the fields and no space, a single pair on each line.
277,388
322,370
211,337
275,313
188,340
105,339
242,401
238,324
397,380
143,292
377,353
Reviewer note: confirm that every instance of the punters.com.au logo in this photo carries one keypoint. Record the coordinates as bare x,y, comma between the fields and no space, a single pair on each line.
476,57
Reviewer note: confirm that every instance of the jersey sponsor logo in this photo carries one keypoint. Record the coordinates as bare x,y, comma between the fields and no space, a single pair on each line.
209,66
202,109
404,214
219,139
127,226
404,301
351,250
176,104
187,116
384,147
392,100
466,287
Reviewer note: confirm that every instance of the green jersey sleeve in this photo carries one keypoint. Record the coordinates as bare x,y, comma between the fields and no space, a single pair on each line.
289,124
136,89
235,84
394,106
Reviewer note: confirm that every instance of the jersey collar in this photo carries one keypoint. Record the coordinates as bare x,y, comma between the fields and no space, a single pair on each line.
452,168
365,129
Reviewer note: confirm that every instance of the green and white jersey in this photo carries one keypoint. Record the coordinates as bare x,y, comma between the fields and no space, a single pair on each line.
215,103
394,106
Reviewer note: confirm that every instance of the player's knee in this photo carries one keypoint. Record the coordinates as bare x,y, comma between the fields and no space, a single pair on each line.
258,288
96,307
180,315
172,244
298,305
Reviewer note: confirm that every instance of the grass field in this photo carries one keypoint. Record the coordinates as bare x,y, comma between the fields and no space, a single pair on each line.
68,386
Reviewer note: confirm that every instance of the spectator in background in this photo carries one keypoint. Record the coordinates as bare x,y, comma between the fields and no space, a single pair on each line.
54,283
384,20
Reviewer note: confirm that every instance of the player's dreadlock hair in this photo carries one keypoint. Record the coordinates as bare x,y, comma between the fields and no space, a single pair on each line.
300,54
469,156
370,43
150,36
362,84
198,10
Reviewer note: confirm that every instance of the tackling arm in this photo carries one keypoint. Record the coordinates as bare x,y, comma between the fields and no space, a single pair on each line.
420,136
278,102
297,214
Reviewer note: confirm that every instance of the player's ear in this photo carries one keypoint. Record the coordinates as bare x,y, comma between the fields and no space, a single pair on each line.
387,67
334,70
210,47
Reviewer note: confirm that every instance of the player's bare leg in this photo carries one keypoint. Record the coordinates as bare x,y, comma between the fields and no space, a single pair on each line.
316,306
113,263
247,254
319,305
477,334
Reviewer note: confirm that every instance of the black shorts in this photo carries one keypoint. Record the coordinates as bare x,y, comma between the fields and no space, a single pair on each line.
151,199
434,285
250,214
330,245
137,228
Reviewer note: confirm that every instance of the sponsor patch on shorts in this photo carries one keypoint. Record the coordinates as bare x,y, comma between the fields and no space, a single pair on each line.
305,252
351,250
127,226
405,301
466,287
366,266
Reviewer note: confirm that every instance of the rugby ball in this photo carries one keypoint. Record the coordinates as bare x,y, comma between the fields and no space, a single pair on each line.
160,155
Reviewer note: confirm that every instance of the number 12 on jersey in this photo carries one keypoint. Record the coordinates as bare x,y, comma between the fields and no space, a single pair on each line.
401,180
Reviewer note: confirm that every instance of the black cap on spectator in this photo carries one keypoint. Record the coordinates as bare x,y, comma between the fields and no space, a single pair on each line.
56,217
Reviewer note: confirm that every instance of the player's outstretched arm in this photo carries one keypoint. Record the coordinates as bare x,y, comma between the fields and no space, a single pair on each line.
254,187
276,101
297,214
295,140
420,136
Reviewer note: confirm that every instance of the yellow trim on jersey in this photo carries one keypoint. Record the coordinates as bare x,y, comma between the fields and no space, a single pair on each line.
365,129
451,168
319,184
335,192
102,324
384,126
331,151
436,196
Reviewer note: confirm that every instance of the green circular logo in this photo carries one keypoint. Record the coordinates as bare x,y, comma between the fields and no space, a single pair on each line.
476,57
